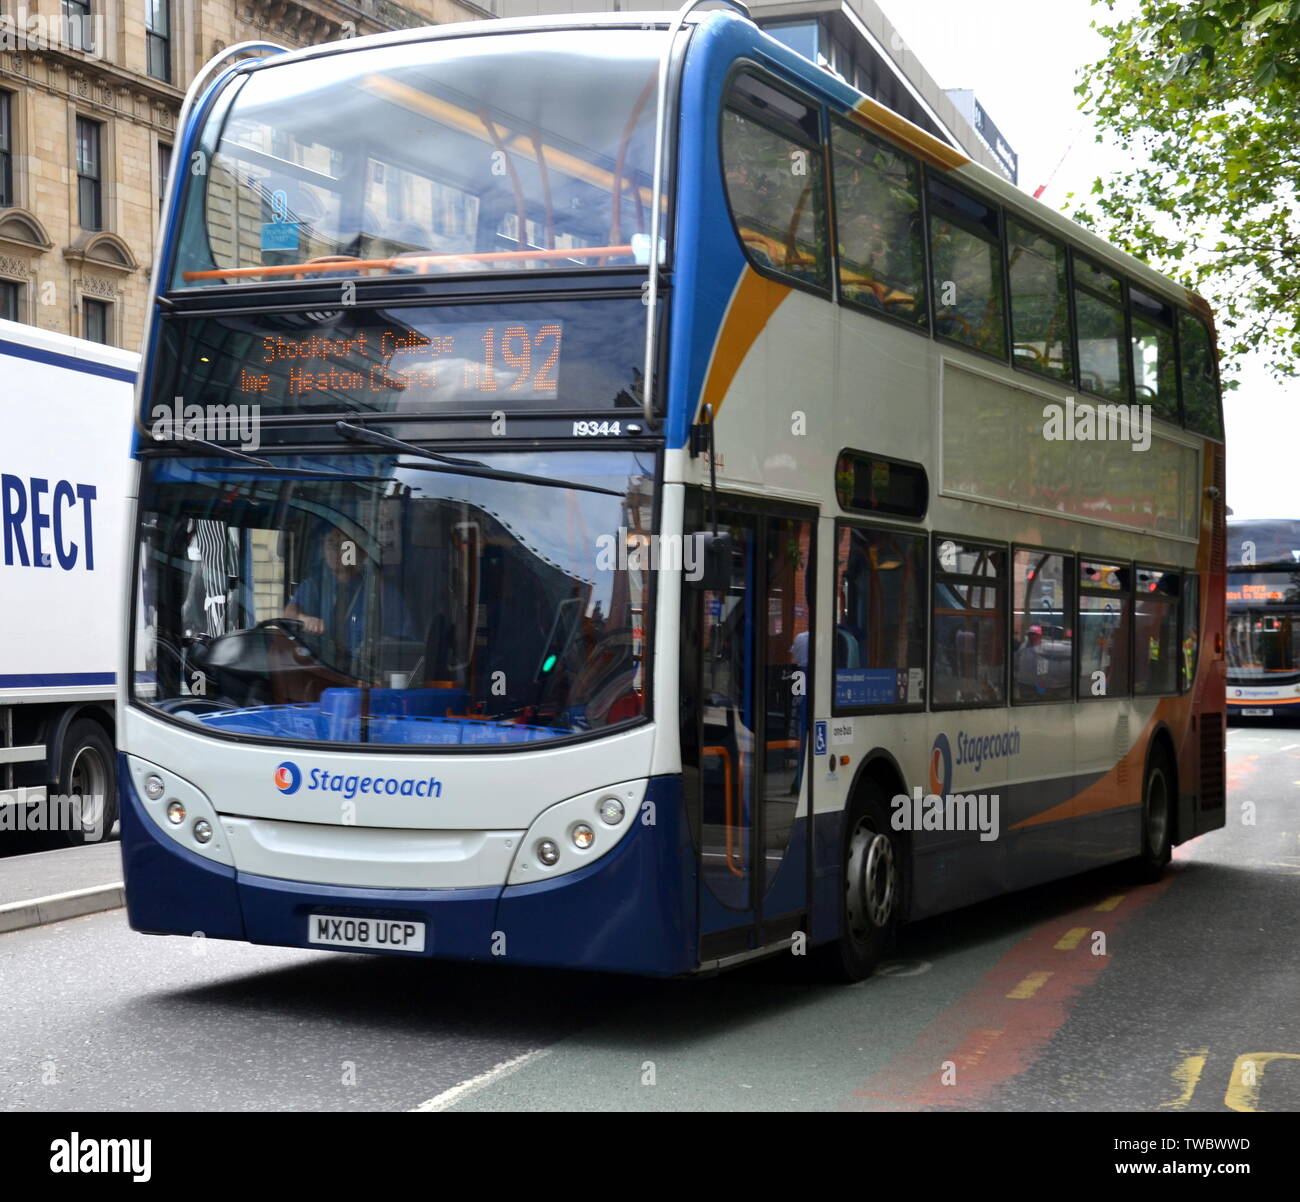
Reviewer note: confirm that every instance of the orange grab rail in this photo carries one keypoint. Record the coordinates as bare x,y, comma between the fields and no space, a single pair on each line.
735,858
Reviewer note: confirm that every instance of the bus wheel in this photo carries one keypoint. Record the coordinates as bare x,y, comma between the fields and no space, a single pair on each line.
1158,794
88,775
873,878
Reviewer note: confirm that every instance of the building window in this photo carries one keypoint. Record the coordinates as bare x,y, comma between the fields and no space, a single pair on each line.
164,170
158,38
6,149
772,159
11,298
89,185
1042,628
879,618
969,631
76,23
95,320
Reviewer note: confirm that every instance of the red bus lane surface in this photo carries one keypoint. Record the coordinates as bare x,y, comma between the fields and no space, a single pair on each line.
994,1032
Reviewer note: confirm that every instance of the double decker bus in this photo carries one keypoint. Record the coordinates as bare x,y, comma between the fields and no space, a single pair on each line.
695,514
1263,618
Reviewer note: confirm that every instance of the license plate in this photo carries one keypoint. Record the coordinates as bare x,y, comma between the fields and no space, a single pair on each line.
1256,712
380,934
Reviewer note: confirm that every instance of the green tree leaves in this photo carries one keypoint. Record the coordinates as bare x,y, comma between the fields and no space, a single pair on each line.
1207,95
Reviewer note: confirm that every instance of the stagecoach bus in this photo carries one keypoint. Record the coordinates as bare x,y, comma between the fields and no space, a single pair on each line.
1263,618
612,495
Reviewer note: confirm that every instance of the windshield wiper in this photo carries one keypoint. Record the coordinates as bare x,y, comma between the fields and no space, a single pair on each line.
460,467
212,448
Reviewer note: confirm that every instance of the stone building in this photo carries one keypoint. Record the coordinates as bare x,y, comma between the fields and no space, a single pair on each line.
90,92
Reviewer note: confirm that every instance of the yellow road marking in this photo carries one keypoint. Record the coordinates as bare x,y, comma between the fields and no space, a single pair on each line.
1188,1075
1071,939
1111,902
1243,1094
1030,985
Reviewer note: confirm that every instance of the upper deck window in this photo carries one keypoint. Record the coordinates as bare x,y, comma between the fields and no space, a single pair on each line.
501,153
1200,383
1099,309
1155,378
966,265
772,159
878,223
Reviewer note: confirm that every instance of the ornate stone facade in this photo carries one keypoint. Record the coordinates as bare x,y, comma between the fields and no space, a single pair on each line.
55,263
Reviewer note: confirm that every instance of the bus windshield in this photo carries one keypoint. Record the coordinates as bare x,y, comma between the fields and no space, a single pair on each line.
471,154
393,600
1263,642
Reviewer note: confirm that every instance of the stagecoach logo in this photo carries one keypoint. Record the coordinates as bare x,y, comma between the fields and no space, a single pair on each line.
940,765
289,778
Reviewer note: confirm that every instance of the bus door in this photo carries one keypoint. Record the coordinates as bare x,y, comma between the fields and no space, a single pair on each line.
747,652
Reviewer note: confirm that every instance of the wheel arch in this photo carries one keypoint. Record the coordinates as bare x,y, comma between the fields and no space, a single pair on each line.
98,712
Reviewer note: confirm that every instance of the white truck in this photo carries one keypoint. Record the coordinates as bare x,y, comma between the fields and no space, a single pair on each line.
65,438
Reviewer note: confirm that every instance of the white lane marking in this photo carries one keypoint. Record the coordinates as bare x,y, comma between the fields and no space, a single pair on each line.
1291,746
449,1097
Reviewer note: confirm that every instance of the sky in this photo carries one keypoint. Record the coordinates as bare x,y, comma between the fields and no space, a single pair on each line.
1022,59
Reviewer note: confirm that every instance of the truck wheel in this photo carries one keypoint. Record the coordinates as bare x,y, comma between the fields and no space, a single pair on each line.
88,774
873,891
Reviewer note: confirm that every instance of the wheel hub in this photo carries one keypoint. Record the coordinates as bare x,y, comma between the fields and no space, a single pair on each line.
871,881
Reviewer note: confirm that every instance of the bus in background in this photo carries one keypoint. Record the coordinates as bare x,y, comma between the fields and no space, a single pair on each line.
709,522
65,410
1263,618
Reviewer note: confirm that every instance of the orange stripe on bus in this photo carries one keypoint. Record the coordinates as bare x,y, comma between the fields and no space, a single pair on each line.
755,300
898,129
1110,793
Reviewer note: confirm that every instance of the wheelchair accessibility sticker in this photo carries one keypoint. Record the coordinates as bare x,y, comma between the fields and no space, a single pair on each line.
819,739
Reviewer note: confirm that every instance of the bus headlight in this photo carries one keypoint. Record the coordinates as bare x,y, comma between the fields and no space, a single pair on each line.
203,830
548,852
153,787
175,813
611,811
583,836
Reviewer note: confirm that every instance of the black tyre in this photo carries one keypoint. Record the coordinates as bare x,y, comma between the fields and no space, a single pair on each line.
873,890
88,774
1159,802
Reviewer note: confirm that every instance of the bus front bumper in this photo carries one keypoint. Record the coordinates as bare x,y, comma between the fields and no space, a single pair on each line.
631,911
